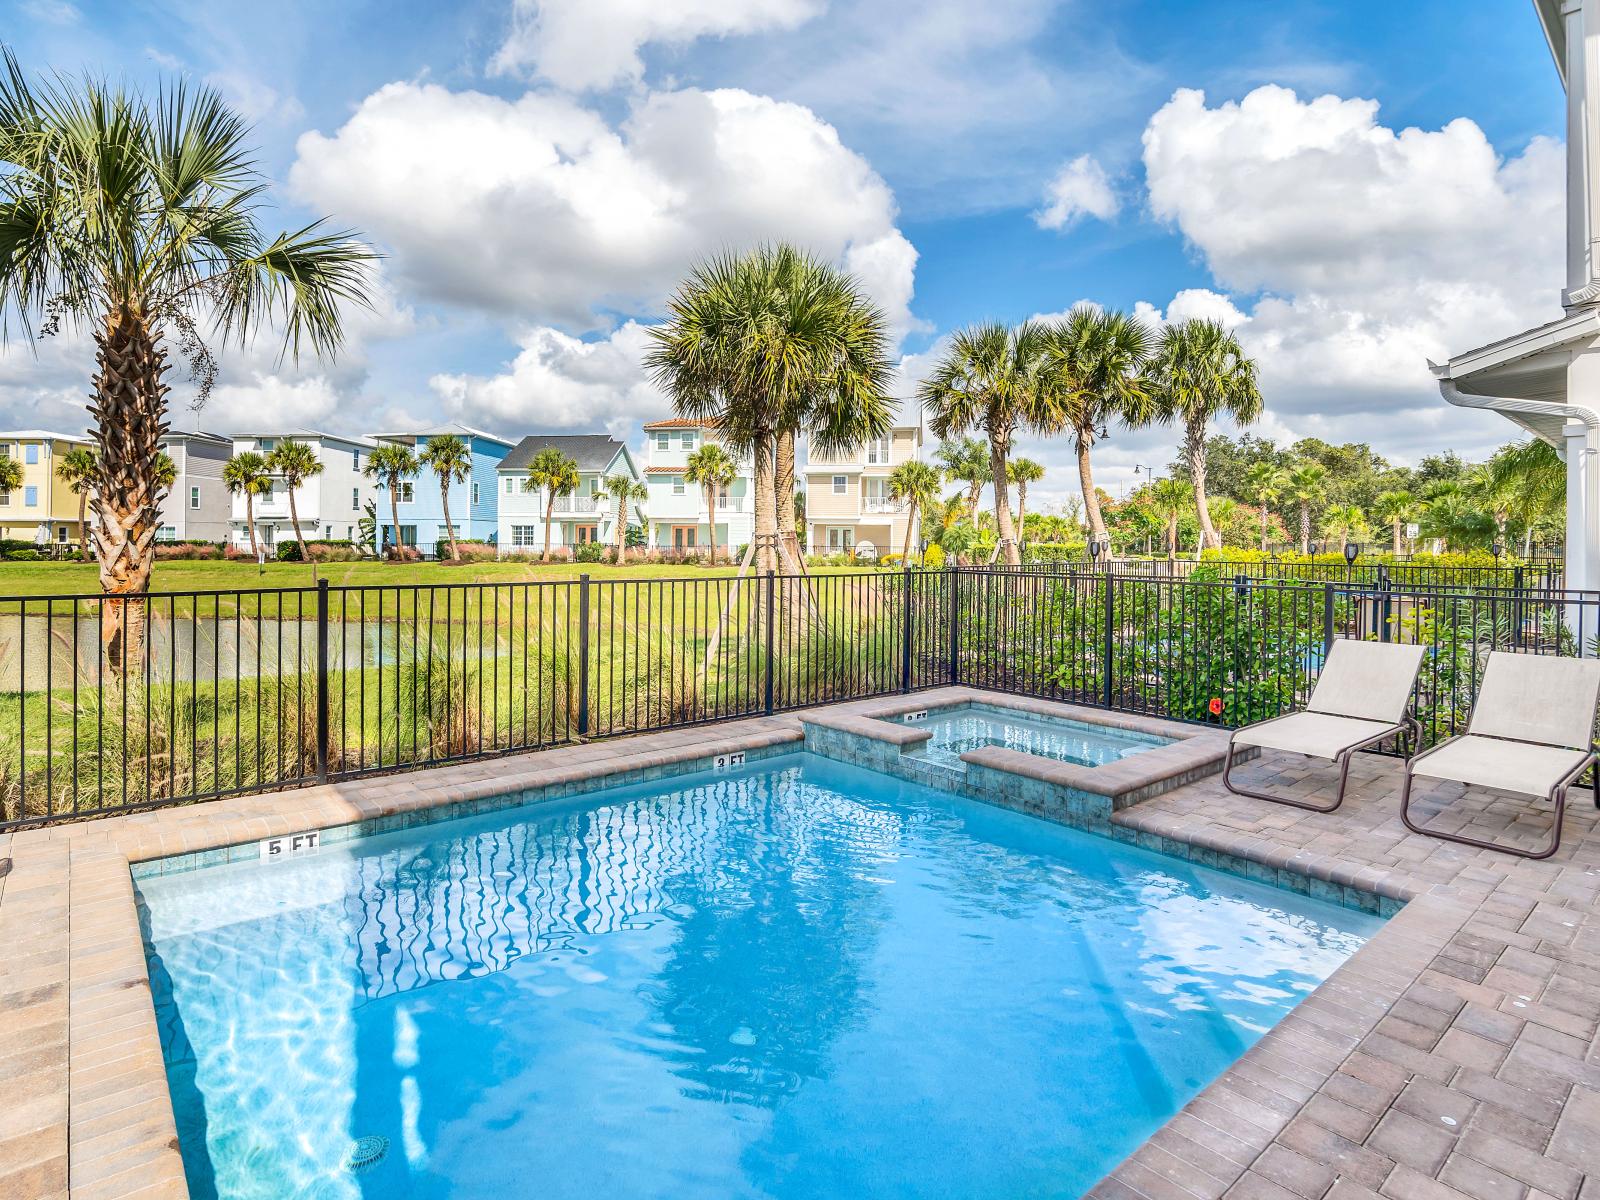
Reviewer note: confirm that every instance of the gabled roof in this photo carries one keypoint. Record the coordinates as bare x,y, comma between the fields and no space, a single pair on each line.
307,435
41,435
591,451
679,423
454,428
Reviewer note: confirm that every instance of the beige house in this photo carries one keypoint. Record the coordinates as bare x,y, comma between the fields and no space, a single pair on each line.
847,497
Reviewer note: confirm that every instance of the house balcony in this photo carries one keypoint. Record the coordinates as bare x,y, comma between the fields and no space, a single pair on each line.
567,506
882,506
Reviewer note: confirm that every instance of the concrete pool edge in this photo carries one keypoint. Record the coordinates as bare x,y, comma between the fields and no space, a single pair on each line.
97,1116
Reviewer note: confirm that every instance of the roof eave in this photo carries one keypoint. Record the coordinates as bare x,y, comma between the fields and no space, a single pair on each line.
1555,33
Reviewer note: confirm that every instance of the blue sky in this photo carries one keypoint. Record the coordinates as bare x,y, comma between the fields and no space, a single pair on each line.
484,147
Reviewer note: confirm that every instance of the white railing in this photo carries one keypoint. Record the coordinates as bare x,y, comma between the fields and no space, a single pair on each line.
577,504
882,506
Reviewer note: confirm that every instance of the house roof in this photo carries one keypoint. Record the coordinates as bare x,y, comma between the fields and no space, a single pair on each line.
41,435
591,451
200,435
680,423
450,427
307,435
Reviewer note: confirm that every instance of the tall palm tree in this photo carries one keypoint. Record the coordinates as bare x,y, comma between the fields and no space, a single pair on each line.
989,379
1264,482
713,469
1171,499
1096,361
767,344
246,474
965,460
391,464
557,475
296,462
1200,372
624,489
138,216
916,485
449,458
78,470
1396,508
1305,484
1023,471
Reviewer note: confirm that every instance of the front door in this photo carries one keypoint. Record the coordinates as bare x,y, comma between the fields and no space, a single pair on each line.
586,533
841,539
684,537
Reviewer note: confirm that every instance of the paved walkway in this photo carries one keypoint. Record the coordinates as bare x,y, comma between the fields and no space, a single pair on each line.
1454,1055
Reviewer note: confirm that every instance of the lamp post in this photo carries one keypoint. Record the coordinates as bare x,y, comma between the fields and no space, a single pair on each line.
1351,553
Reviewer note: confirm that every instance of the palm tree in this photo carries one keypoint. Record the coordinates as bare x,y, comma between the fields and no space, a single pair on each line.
967,461
989,379
138,217
916,485
1263,483
624,489
391,464
296,462
1451,516
1304,484
1396,508
1022,472
1096,360
10,475
1171,499
245,474
713,469
558,476
78,470
1198,373
1345,522
1533,478
768,344
448,457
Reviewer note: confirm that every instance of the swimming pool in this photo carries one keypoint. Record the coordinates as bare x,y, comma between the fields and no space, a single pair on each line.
798,979
964,727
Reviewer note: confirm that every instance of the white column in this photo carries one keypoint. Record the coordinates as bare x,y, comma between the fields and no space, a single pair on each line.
1583,506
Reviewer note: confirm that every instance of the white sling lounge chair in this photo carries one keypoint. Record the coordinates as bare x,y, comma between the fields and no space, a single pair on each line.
1532,732
1363,695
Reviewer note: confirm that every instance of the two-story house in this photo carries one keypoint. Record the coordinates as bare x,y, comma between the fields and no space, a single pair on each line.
474,505
329,503
586,515
847,496
198,507
679,518
44,508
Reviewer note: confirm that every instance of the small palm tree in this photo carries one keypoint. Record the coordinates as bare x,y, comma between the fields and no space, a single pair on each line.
1024,471
1198,373
965,460
989,378
558,476
246,474
391,464
449,458
1305,484
916,485
10,475
1345,523
78,469
1263,483
624,489
1396,508
296,462
711,468
1171,499
138,217
1533,479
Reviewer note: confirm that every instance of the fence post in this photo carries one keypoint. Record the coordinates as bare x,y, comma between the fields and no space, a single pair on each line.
1327,620
772,606
953,577
905,637
583,655
322,681
1109,649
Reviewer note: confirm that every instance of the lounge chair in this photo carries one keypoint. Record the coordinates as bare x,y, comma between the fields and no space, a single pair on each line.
1532,733
1363,695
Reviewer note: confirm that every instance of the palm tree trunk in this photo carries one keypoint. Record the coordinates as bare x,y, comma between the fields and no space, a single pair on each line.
766,533
619,536
294,519
394,509
1172,538
1022,511
449,528
1002,499
974,490
1305,527
128,403
711,515
83,514
1091,502
549,516
1194,444
1263,529
250,520
783,502
911,525
1397,537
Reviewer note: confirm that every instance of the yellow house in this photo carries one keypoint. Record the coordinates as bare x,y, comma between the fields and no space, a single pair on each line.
44,508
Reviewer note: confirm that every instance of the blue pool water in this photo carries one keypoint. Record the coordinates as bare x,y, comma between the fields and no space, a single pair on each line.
797,980
966,727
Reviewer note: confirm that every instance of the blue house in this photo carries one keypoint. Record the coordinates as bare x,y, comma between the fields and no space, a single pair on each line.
473,504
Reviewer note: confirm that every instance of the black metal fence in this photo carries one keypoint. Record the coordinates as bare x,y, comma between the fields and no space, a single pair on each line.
195,695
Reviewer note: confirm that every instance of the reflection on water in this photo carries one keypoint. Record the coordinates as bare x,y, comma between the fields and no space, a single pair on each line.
801,980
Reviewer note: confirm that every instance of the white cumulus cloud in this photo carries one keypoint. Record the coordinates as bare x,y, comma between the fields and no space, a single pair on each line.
1080,188
580,44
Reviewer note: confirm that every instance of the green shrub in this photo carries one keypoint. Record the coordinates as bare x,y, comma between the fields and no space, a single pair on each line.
289,551
589,552
27,554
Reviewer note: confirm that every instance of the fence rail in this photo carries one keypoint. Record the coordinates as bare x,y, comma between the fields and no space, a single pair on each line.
210,694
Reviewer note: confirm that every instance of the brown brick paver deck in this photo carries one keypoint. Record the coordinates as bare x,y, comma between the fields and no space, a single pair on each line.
1455,1055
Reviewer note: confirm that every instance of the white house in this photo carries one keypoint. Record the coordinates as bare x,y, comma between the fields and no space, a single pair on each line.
847,495
584,516
198,507
679,518
329,503
1547,379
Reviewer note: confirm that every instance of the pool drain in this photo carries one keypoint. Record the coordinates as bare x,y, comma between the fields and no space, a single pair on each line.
367,1152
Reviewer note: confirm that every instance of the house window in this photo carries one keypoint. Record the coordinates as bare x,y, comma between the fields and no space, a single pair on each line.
166,534
878,452
663,441
355,456
194,497
877,493
474,491
355,497
840,485
30,454
678,487
5,499
5,450
841,539
686,441
265,445
523,535
407,491
510,485
30,496
266,492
